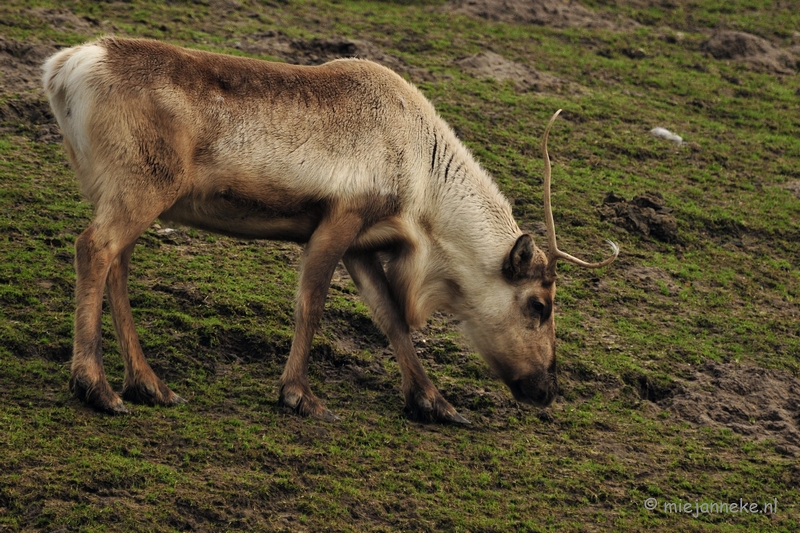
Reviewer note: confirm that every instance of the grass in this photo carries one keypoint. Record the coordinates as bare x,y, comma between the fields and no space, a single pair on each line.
215,315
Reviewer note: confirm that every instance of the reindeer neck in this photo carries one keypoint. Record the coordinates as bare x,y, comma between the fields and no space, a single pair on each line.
467,204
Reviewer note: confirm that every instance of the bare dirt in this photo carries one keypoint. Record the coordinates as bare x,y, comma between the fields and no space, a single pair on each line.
62,19
21,65
794,187
753,402
645,214
756,403
318,51
495,66
751,50
552,13
651,278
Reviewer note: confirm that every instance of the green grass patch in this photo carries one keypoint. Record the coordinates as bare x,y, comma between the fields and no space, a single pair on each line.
215,315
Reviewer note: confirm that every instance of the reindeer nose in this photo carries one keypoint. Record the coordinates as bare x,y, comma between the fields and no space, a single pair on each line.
537,389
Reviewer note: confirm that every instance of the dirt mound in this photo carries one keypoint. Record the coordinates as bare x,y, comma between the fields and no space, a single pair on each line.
760,404
31,114
20,64
318,51
652,279
755,52
495,66
62,19
553,13
794,187
645,214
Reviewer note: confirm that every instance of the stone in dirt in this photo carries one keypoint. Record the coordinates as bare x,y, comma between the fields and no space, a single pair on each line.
664,133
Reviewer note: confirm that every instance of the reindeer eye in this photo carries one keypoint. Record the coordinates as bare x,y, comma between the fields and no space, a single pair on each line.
536,308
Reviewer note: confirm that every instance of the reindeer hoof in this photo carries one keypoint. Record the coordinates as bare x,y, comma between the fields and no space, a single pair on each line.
456,418
97,395
304,403
178,400
290,399
117,409
152,392
327,416
424,408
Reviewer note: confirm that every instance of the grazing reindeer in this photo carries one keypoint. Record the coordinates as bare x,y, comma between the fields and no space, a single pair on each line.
346,157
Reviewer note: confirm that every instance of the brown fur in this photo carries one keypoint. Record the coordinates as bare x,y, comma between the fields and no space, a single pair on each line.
345,157
422,398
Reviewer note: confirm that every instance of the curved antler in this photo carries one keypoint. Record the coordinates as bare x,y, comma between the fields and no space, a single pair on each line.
554,254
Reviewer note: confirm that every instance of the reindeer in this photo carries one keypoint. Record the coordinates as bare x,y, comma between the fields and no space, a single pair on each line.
346,158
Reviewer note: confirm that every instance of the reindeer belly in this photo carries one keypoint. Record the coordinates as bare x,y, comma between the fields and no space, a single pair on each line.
226,212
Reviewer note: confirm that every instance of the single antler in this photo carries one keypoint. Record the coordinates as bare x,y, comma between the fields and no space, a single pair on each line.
554,254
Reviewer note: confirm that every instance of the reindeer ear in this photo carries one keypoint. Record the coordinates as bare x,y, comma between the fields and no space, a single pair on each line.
519,262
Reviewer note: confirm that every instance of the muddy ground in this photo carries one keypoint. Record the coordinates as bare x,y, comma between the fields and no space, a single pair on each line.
753,402
756,403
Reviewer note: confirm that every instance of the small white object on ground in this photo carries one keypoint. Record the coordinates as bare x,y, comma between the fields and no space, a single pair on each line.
666,134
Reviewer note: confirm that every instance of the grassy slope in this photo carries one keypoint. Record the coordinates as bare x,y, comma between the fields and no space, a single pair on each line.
215,314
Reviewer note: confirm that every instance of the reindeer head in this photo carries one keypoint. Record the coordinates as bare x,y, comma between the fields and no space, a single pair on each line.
515,332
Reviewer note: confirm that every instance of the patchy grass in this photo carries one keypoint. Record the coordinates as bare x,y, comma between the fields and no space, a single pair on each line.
215,315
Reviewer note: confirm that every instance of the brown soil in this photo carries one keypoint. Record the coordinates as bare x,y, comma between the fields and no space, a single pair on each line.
794,187
317,51
645,214
753,51
553,13
62,19
495,66
753,402
21,65
651,279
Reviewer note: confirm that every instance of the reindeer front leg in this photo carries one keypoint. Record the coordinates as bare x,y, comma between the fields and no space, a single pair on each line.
423,400
328,243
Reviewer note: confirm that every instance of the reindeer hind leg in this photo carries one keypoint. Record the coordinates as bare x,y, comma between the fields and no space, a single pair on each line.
141,383
88,380
101,255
